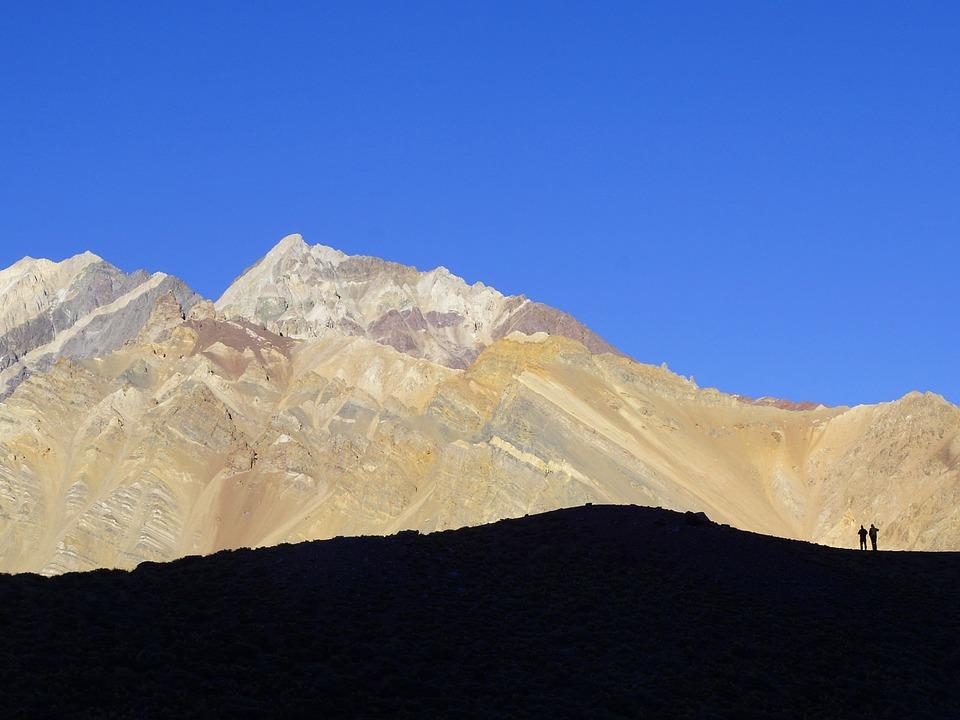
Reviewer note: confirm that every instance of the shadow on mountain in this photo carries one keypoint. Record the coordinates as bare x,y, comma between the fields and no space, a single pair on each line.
591,612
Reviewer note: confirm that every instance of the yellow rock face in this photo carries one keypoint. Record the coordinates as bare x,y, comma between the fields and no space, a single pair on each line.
207,434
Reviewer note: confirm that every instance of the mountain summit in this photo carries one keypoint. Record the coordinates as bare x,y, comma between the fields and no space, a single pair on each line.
329,394
309,291
80,307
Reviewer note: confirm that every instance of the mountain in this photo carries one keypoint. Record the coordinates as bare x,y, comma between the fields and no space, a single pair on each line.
304,291
600,612
81,307
217,434
205,429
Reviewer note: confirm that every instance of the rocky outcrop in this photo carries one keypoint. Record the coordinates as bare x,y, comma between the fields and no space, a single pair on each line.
530,318
307,291
42,298
81,307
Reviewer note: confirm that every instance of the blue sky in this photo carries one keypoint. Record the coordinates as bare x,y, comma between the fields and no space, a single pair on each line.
764,195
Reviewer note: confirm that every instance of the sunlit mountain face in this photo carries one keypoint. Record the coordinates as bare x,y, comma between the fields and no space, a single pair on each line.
326,394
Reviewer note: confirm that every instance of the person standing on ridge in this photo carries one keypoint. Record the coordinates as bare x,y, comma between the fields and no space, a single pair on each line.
862,532
873,536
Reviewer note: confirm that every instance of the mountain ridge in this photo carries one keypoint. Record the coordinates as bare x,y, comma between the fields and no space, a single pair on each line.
194,428
305,291
53,309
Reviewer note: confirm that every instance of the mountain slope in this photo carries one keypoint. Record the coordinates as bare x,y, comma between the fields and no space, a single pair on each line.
592,612
80,307
210,434
141,424
304,291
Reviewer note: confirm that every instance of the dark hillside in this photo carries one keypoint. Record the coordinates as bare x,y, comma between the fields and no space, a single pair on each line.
592,612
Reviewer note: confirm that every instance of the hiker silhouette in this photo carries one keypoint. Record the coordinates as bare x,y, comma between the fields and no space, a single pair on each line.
873,536
862,532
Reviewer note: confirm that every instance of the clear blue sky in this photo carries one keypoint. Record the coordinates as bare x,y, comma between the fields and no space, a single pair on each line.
764,195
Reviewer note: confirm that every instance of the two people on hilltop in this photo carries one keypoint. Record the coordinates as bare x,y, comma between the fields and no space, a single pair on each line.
863,532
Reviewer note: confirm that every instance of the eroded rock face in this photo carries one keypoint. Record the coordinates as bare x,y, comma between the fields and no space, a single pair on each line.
81,307
40,298
222,434
354,396
307,291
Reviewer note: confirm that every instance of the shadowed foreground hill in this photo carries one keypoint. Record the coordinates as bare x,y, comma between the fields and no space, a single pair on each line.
593,612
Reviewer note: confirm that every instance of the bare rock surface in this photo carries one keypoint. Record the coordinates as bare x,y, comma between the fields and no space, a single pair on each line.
305,291
80,307
331,395
220,434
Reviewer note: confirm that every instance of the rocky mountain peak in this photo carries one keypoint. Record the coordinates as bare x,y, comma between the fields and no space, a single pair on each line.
294,247
329,394
310,291
78,307
293,241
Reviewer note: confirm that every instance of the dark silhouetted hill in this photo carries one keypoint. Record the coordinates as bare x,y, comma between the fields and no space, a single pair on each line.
593,612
